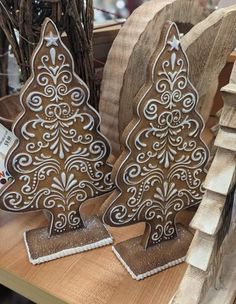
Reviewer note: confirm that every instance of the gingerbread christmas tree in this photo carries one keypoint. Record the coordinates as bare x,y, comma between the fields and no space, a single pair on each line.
60,159
161,169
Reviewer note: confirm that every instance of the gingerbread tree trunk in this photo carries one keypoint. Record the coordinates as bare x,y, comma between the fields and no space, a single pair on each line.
60,159
161,169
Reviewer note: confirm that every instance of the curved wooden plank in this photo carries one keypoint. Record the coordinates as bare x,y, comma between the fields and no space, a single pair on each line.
125,69
208,44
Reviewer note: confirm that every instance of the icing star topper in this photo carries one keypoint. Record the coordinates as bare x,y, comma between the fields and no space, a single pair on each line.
162,165
60,161
174,44
51,40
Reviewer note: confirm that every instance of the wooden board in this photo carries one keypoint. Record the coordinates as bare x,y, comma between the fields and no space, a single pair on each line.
127,61
217,34
103,37
94,277
211,269
228,277
125,69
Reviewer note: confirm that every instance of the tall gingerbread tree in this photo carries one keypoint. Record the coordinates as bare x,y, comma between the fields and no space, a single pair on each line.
60,159
161,169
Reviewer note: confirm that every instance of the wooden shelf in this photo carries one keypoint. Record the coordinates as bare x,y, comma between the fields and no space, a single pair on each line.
93,277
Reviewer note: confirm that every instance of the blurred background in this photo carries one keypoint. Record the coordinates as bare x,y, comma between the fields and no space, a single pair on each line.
123,8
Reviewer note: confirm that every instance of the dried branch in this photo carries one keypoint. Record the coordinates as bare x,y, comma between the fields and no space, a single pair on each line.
73,16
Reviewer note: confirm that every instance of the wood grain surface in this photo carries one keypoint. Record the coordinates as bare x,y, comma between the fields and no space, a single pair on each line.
211,270
125,69
94,277
207,45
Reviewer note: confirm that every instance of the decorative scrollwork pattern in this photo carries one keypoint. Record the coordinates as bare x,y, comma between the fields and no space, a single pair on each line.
163,168
60,161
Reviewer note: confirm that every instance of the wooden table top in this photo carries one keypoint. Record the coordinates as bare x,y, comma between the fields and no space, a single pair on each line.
93,277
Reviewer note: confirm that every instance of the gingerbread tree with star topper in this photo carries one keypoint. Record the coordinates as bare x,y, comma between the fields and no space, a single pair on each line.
60,159
161,169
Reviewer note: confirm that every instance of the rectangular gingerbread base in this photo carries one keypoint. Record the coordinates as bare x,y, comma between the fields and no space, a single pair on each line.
141,263
41,248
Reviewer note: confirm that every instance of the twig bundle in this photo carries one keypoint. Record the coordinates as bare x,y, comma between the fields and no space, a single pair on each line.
75,17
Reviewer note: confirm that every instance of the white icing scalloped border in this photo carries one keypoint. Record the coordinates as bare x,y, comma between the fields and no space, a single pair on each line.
148,273
66,252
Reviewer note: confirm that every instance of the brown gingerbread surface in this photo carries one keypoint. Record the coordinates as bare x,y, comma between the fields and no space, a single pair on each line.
41,248
60,160
162,167
141,262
